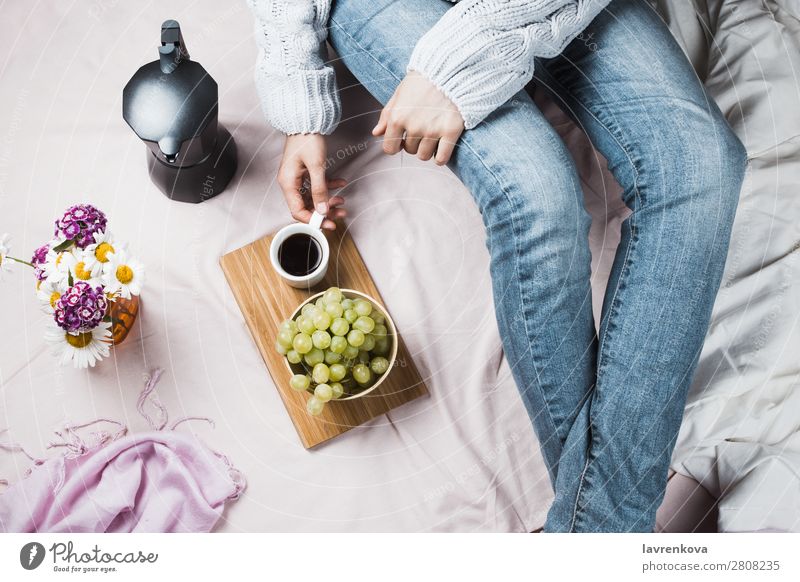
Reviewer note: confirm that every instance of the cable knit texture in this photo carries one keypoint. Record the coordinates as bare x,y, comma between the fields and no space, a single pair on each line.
297,89
479,54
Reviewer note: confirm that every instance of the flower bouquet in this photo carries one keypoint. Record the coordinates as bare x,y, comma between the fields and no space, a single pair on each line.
87,282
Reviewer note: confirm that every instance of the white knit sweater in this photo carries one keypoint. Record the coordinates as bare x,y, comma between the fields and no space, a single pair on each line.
478,54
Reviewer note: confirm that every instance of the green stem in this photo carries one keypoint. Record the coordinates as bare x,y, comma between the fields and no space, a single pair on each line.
21,261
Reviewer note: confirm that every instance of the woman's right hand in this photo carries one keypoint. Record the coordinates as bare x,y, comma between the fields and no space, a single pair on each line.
304,159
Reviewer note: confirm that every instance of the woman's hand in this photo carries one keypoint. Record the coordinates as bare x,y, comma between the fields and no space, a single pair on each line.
304,163
420,120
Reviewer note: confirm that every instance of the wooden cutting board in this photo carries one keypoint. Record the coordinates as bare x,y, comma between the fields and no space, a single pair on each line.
266,301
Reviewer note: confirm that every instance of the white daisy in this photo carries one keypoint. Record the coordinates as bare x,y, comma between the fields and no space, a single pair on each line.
123,274
82,349
57,267
99,253
48,293
5,261
81,271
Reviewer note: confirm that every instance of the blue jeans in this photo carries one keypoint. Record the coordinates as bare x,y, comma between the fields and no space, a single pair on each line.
606,404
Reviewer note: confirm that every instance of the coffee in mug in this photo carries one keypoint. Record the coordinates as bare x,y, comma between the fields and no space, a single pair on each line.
299,253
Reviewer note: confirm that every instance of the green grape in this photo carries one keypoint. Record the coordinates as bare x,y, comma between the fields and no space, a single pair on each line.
332,295
299,382
381,346
380,330
363,307
350,315
340,326
321,319
323,392
378,317
337,389
302,343
363,356
285,338
314,406
334,309
305,325
350,352
369,342
347,303
361,373
337,372
293,356
290,326
355,338
308,309
364,323
338,344
314,357
320,304
321,339
379,365
321,373
332,357
280,349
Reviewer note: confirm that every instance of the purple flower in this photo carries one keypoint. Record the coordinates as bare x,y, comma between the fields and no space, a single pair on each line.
38,260
80,223
81,308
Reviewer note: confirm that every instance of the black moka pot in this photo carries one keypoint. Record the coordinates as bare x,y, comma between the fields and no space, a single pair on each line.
172,105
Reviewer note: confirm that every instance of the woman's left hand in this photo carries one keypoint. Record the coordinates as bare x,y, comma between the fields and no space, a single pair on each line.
420,120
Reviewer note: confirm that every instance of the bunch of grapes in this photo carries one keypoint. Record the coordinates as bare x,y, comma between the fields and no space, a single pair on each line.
341,343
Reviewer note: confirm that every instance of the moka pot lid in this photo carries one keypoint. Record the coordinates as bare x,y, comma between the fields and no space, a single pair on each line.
171,102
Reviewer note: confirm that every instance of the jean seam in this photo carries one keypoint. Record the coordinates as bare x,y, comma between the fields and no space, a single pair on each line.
580,483
514,222
614,307
363,49
638,202
613,311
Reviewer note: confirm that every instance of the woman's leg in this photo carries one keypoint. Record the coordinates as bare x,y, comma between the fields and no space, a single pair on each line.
627,82
527,189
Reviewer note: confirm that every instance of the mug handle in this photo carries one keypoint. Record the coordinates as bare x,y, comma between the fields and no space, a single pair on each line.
316,219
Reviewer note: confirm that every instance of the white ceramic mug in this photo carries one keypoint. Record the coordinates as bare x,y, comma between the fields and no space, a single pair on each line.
312,229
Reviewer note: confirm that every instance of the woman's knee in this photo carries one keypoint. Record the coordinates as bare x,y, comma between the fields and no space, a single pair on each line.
542,199
720,156
536,203
696,159
720,160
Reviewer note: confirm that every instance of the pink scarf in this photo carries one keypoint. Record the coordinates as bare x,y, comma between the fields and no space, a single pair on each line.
158,481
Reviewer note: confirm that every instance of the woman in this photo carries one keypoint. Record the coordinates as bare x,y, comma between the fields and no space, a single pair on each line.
606,405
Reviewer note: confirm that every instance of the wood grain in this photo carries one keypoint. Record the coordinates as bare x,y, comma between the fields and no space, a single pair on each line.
265,301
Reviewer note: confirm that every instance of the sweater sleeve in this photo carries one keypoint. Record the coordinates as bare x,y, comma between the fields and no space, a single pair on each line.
297,89
481,52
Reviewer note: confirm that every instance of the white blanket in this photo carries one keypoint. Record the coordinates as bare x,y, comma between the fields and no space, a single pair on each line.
741,432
